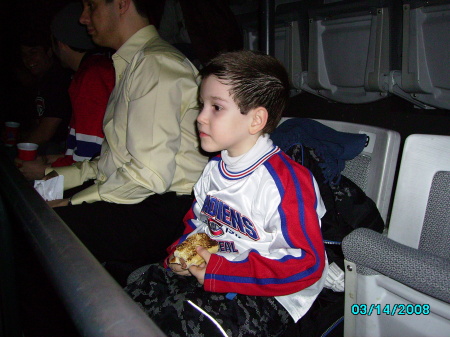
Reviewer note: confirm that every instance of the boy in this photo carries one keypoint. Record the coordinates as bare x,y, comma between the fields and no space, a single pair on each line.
262,208
51,101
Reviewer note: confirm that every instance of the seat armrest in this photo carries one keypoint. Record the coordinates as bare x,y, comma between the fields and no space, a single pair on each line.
422,271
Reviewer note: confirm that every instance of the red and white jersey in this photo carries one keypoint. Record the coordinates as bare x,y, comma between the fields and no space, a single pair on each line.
264,209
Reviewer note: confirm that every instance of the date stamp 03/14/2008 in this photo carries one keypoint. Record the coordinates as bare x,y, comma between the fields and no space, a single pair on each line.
390,309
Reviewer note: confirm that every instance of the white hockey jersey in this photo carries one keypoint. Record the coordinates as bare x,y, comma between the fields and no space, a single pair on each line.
264,210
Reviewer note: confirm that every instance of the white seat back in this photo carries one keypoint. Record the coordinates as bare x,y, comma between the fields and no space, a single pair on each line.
425,168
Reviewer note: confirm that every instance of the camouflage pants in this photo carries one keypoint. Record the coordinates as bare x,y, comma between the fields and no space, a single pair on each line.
174,302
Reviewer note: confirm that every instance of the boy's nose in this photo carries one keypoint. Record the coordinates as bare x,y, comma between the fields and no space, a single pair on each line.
201,118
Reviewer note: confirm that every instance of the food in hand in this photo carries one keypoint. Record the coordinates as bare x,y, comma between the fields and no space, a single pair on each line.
187,250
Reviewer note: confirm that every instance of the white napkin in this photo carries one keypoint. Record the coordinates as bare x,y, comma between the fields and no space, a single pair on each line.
51,189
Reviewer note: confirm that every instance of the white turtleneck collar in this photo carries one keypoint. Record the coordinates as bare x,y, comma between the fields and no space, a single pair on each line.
262,146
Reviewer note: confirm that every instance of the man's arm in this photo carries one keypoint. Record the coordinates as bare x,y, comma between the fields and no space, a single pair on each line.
76,174
44,131
160,91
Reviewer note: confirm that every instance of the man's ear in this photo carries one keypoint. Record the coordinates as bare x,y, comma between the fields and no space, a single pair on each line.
61,45
124,5
49,52
259,119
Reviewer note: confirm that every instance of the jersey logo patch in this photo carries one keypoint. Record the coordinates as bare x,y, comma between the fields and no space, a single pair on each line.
221,214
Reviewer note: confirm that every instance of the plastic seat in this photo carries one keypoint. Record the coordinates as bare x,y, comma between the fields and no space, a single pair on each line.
404,278
349,51
424,78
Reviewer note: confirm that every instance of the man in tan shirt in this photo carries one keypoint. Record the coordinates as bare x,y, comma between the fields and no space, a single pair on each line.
149,161
150,158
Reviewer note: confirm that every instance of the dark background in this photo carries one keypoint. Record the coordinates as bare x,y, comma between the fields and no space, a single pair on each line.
391,112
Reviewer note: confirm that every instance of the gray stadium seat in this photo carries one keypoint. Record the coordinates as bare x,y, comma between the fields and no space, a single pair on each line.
349,51
404,278
424,78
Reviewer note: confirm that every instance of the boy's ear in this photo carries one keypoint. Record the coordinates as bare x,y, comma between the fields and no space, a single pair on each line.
259,120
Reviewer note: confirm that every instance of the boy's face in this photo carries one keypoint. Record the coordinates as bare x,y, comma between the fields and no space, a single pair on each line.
220,122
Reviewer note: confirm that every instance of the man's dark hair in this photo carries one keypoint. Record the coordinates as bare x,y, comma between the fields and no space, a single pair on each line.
141,7
255,80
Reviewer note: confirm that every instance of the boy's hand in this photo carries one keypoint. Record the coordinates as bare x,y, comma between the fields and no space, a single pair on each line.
179,269
199,271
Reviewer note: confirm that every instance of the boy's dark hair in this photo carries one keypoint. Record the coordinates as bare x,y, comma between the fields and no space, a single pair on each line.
66,28
32,37
256,80
79,50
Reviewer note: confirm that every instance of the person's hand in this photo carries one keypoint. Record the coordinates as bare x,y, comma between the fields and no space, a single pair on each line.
179,269
199,271
18,163
58,203
50,175
51,158
33,169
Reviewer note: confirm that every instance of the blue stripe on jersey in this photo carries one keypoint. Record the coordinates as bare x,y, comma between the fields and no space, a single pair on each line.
191,224
301,208
191,221
263,281
71,141
216,158
316,201
283,259
282,192
87,149
183,238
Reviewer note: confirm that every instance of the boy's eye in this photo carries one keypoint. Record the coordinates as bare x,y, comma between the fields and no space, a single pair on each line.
217,107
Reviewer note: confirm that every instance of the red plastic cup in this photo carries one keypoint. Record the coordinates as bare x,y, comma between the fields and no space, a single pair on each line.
12,131
27,151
